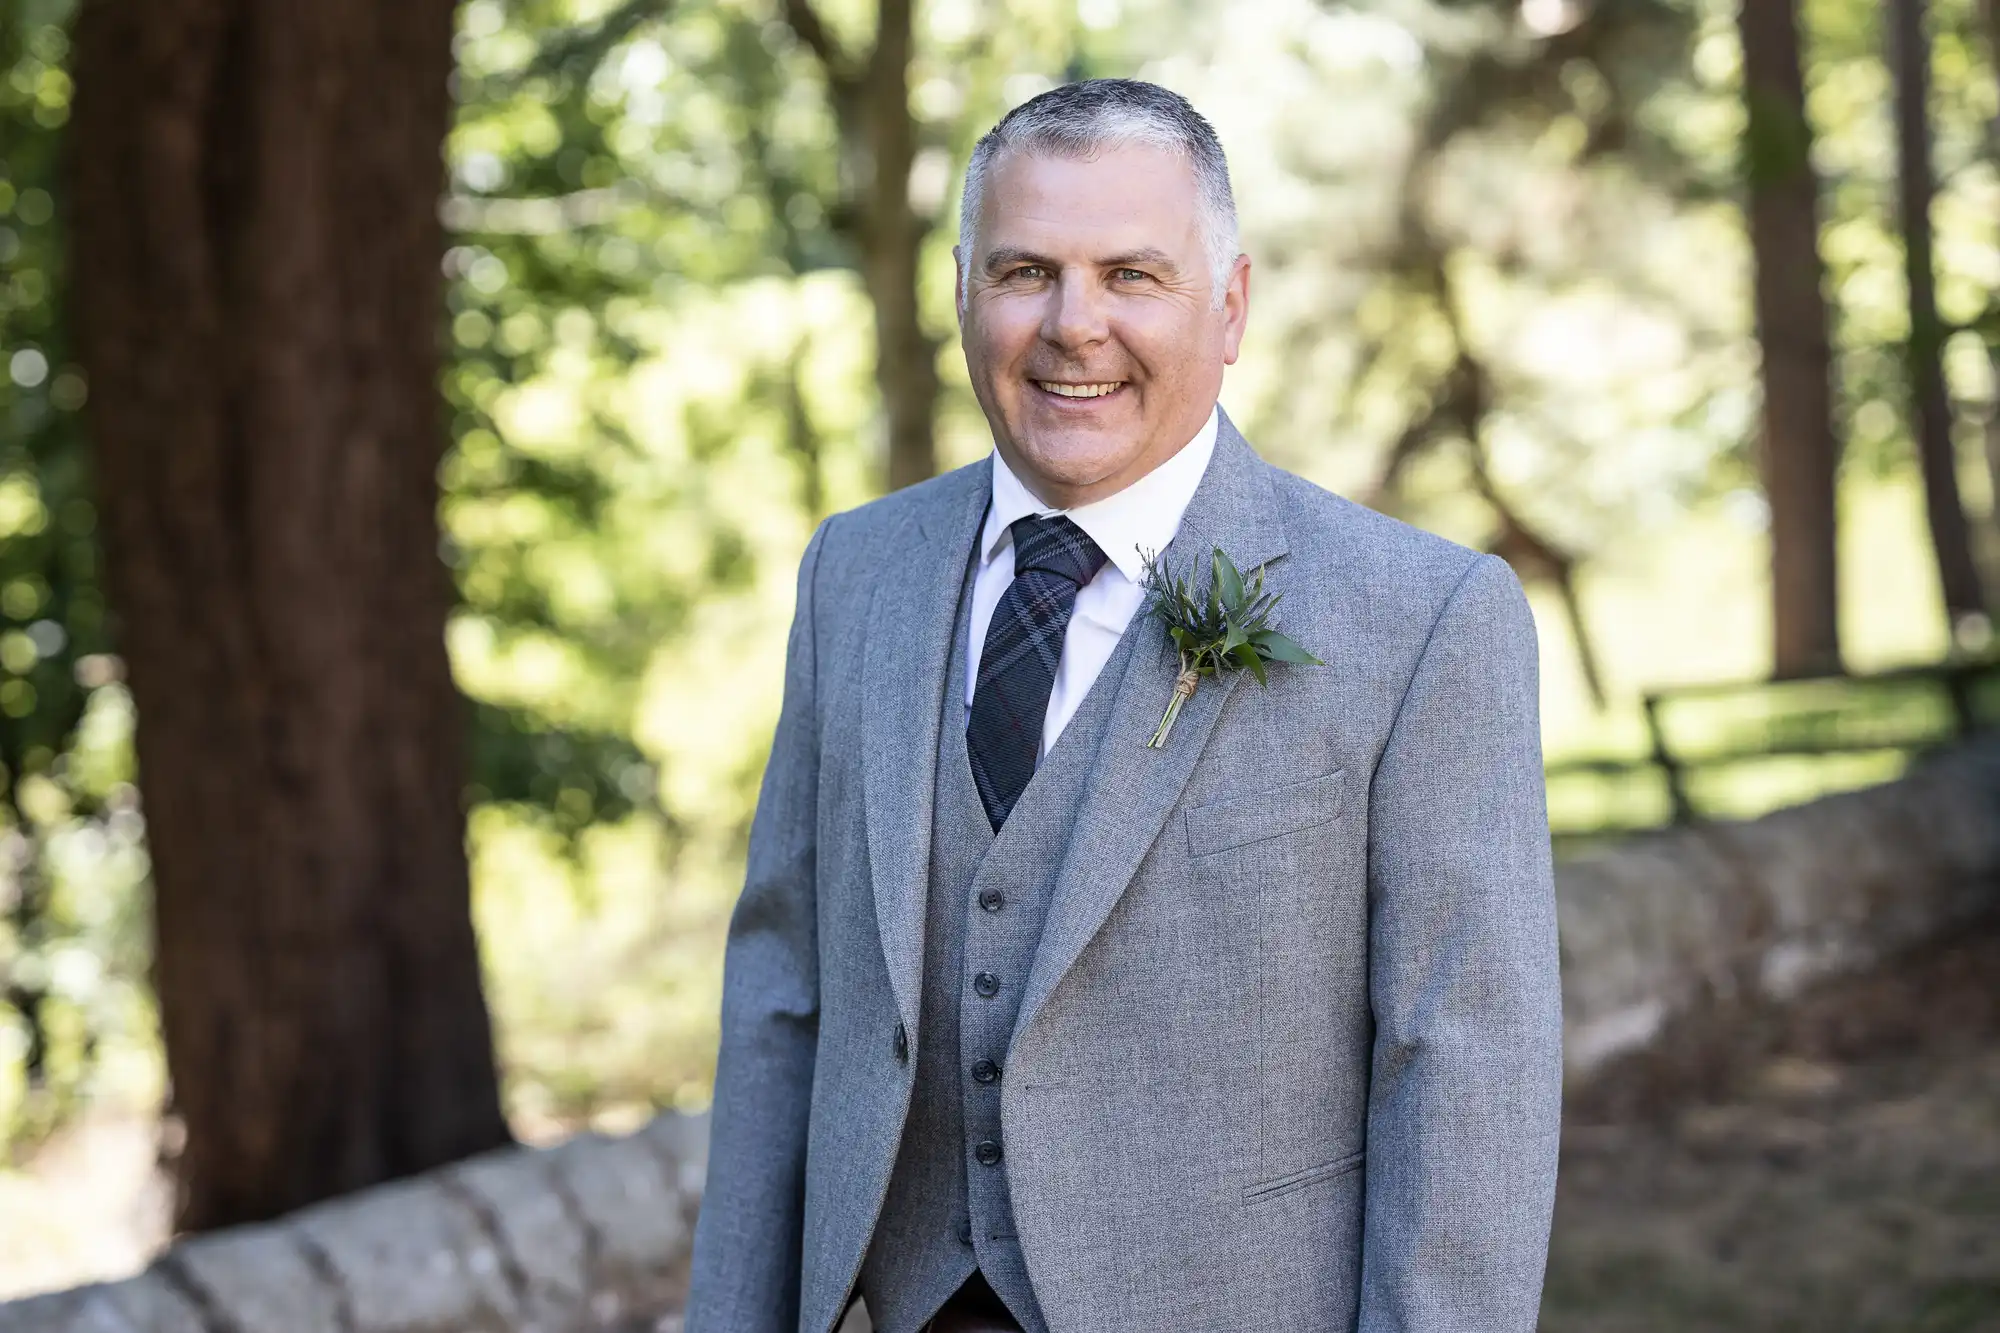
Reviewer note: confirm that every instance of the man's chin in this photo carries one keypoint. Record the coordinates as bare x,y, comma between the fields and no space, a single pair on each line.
1074,463
1053,435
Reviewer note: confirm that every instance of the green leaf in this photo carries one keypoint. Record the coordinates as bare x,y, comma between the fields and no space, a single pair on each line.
1246,654
1230,581
1283,648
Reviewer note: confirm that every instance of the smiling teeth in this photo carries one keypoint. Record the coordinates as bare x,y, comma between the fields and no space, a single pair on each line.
1076,390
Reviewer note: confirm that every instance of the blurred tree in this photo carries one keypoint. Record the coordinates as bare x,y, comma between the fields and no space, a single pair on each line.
1988,22
1799,447
1517,109
879,140
857,181
1930,406
1543,154
257,295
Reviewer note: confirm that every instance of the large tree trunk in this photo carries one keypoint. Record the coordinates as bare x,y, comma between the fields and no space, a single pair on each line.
257,253
1951,539
1799,449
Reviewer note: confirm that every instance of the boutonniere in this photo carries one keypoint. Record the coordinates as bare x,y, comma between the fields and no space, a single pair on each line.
1227,630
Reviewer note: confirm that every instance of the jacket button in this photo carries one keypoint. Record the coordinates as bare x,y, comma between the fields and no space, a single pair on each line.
902,1045
985,1072
986,984
987,1151
992,900
965,1233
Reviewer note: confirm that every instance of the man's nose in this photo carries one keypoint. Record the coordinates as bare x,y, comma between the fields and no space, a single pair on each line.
1076,316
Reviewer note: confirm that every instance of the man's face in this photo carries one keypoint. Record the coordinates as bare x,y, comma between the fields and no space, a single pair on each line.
1094,345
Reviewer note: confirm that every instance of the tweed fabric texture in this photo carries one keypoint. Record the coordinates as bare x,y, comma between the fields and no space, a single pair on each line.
948,1207
1053,558
1288,1055
921,1250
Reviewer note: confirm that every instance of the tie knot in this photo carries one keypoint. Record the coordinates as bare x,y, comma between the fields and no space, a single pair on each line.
1056,546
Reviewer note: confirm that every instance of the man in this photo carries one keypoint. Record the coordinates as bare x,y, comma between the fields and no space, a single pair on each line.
1028,1024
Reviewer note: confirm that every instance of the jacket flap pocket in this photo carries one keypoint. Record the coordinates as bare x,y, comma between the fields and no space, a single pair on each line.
1236,820
1298,1180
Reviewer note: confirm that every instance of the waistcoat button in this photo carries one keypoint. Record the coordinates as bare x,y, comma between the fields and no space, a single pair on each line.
987,1151
985,1072
902,1045
986,984
992,900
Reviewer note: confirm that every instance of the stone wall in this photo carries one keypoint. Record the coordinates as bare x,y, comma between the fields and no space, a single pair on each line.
593,1234
590,1235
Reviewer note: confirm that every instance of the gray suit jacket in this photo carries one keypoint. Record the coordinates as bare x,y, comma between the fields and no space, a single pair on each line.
1289,1055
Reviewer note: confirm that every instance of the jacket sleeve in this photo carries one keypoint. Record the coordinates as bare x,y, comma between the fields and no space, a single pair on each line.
1465,1098
747,1242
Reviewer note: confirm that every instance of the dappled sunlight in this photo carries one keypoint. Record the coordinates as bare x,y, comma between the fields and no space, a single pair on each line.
92,1204
603,972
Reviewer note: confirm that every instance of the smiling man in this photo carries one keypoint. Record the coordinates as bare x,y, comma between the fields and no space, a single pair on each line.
1035,1021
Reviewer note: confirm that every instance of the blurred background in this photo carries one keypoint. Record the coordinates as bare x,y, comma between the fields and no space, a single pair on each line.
1692,314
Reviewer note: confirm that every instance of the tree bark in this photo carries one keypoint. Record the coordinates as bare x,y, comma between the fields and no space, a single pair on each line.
1800,450
892,239
878,136
1951,538
259,307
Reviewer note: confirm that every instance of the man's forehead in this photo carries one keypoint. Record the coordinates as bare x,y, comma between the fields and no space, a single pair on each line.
1129,196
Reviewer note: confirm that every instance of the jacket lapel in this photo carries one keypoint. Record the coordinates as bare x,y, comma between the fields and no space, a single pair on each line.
911,617
1133,788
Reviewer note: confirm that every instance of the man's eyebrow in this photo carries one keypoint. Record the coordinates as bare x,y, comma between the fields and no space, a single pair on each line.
1148,257
1007,256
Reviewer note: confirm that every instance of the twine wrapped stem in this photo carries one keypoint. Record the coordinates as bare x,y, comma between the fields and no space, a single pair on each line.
1184,688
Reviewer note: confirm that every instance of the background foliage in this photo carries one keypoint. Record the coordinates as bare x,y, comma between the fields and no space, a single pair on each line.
1500,288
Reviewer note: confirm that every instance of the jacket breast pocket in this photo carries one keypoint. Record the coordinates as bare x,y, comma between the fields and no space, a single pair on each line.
1236,821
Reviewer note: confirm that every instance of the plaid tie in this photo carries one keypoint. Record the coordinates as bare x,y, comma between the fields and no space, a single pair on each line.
1053,558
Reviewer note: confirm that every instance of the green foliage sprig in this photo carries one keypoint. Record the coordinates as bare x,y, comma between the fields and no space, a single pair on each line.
1228,628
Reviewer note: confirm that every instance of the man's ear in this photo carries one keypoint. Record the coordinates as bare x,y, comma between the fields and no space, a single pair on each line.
958,286
1235,309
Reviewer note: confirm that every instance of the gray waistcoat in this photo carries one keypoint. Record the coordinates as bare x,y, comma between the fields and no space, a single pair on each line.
947,1209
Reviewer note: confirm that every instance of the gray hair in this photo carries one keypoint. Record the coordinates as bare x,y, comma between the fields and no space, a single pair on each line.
1079,120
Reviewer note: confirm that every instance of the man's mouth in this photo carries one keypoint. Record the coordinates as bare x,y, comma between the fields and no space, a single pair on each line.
1063,390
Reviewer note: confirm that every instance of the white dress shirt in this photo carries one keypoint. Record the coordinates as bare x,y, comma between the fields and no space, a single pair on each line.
1142,517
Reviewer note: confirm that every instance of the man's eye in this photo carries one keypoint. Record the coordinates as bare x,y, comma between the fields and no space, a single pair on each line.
1130,275
1031,272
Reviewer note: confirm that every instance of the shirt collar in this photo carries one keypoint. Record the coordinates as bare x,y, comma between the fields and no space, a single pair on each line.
1141,518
